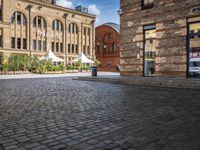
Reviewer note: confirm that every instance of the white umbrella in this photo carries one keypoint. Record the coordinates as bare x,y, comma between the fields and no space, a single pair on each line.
83,59
52,57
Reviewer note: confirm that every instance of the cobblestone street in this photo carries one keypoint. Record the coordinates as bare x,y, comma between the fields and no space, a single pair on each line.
60,113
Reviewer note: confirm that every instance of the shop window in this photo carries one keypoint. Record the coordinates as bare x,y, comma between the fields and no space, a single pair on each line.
24,43
194,50
146,4
34,44
18,43
149,50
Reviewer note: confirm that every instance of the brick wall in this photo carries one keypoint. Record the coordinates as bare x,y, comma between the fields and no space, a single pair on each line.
169,16
109,59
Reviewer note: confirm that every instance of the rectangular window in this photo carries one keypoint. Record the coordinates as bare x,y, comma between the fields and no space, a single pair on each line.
1,58
44,45
34,44
24,43
149,50
84,31
147,4
61,47
52,46
194,49
1,16
88,50
1,39
84,49
69,50
18,43
12,42
76,49
39,45
72,48
57,47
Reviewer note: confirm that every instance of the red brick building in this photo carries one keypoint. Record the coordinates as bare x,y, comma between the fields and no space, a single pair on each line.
107,46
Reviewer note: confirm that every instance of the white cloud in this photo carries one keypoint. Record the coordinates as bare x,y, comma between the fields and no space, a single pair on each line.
65,3
94,10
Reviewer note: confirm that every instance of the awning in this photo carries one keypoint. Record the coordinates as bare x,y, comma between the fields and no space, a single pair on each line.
83,59
51,57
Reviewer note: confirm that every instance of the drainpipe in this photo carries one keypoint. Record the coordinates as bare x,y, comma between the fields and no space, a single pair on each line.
65,16
29,9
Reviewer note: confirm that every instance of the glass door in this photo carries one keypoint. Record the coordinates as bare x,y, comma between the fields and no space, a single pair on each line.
194,49
149,50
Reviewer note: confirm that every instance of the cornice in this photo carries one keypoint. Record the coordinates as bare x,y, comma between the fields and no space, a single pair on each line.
65,10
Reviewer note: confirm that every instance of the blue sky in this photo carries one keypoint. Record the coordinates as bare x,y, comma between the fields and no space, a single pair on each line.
106,10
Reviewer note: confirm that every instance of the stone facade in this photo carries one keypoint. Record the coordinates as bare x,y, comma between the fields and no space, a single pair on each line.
107,46
38,26
170,18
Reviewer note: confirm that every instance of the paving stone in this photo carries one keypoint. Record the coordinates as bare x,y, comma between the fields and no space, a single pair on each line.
61,113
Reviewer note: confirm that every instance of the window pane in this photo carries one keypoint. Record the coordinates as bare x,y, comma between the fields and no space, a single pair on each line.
24,43
39,45
52,46
150,52
12,42
34,44
18,43
44,46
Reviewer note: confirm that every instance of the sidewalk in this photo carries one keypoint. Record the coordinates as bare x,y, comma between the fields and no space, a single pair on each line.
29,76
178,83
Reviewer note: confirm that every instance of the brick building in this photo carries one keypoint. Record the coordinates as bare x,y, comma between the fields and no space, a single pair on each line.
38,26
160,38
107,46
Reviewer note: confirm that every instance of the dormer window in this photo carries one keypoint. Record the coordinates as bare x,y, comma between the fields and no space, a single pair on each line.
146,4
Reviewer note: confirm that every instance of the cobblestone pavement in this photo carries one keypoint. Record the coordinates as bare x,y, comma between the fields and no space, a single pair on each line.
59,113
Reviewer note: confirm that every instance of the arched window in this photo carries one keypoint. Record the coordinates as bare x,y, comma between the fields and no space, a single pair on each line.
39,22
19,18
57,25
73,28
19,40
73,46
57,40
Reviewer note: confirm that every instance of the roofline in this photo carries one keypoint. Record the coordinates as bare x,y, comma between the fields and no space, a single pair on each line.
54,6
106,24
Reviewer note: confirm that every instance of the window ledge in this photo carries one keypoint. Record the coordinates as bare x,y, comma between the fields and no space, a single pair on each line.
147,6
